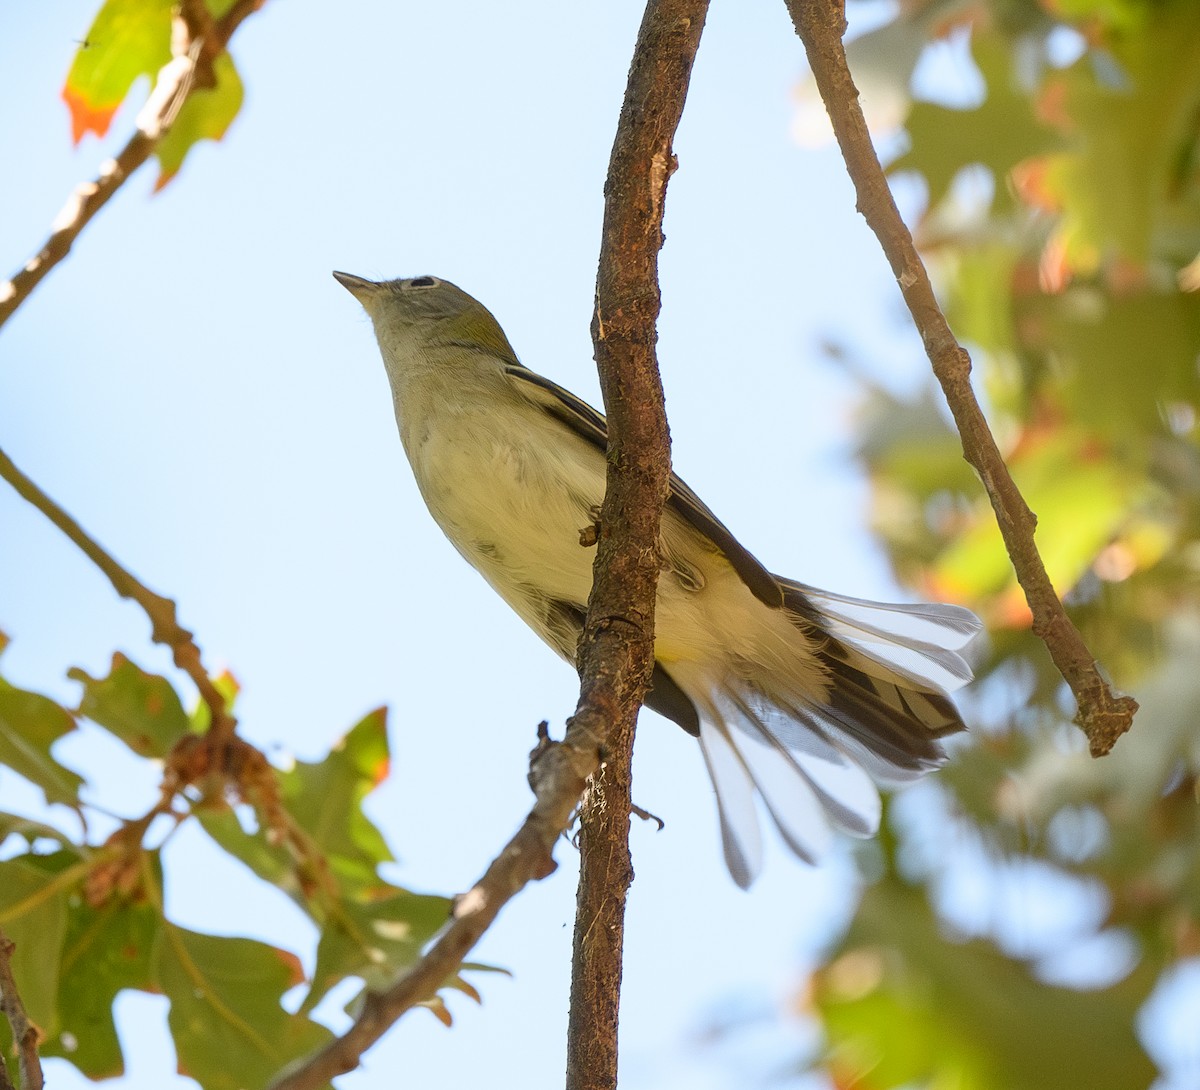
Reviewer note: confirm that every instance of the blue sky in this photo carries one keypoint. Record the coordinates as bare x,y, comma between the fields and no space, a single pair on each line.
196,389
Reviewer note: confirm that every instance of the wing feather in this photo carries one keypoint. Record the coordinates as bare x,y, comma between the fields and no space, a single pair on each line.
590,425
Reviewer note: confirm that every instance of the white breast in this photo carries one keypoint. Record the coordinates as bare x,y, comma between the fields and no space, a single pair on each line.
512,490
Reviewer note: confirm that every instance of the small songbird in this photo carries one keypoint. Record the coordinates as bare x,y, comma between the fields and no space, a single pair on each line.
796,695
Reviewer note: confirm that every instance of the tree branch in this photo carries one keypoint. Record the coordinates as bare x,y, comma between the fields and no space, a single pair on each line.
24,1032
165,628
1103,714
616,652
196,41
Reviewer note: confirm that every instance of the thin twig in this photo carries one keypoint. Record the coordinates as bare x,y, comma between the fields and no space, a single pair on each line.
196,41
616,654
24,1033
1103,714
165,628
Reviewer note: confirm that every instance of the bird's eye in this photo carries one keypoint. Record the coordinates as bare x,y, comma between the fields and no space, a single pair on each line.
423,282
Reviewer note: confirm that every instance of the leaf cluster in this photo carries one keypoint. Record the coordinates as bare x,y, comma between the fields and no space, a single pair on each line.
88,919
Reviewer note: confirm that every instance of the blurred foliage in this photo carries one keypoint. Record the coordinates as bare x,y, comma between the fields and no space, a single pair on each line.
911,1008
87,916
1062,227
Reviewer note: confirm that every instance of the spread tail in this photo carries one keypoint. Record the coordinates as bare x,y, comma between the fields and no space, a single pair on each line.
815,757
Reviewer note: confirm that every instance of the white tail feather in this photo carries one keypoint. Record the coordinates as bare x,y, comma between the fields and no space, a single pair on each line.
847,794
740,836
942,625
787,793
916,662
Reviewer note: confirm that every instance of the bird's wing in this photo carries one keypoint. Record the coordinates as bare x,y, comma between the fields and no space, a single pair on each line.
586,422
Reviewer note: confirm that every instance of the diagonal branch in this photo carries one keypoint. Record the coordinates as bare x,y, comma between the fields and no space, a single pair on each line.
620,627
558,772
24,1033
1103,714
197,40
165,628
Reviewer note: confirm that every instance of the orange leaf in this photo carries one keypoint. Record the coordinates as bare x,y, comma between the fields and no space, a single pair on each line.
85,117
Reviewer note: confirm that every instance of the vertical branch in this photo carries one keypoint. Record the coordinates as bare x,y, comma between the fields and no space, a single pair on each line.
616,651
24,1032
1103,714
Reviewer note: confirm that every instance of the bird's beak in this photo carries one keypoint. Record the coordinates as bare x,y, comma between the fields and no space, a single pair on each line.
361,288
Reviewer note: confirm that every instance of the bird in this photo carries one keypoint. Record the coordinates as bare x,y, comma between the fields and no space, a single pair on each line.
806,699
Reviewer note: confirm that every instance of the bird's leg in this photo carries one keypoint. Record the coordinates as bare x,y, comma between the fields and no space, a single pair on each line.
645,815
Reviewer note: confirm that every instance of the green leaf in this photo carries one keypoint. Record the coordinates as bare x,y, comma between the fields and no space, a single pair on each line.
127,39
270,861
911,440
141,709
1124,15
106,950
979,303
1119,359
1000,133
1129,182
206,115
324,799
375,940
229,1029
30,724
904,1006
33,914
31,831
